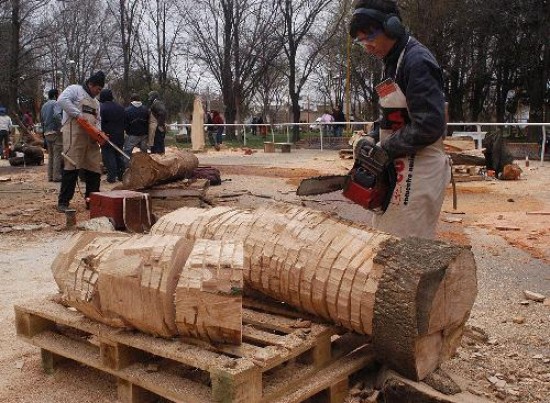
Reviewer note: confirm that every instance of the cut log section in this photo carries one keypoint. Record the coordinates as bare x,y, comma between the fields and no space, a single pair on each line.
138,279
209,293
131,282
146,170
413,296
76,271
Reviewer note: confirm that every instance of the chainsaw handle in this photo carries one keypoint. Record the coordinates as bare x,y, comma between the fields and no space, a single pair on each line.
92,131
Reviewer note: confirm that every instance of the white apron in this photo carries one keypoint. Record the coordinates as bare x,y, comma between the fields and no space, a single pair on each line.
421,178
78,146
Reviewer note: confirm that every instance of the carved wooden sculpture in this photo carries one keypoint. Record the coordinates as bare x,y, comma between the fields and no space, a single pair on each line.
160,284
412,296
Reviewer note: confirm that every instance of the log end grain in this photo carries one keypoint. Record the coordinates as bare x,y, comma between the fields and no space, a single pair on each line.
423,300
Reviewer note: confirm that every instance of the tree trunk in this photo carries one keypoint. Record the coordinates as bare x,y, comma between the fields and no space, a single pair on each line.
413,296
163,285
147,170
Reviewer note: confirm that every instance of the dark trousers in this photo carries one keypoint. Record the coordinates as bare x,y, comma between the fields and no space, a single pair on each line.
113,162
219,132
68,184
158,142
211,138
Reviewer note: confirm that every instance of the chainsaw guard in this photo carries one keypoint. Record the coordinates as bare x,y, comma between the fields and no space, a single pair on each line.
371,192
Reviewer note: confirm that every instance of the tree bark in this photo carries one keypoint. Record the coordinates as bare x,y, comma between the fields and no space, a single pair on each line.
413,296
147,170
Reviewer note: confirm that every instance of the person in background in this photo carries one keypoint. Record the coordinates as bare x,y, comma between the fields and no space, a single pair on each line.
326,120
219,122
28,121
157,123
211,130
81,151
137,126
51,116
410,134
112,123
5,129
338,117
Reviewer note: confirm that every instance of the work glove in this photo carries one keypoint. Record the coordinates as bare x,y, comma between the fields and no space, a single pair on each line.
371,157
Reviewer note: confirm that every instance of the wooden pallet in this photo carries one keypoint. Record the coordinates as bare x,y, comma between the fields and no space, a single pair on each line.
283,358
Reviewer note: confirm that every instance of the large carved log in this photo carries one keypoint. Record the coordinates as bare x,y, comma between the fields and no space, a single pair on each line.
146,170
412,295
160,284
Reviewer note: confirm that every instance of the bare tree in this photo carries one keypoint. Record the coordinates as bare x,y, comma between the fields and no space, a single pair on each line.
129,14
86,31
302,43
231,38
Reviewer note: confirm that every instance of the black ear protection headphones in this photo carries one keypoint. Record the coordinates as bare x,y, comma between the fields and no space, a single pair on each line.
391,22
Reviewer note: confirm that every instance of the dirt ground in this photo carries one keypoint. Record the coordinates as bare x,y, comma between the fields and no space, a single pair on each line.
505,355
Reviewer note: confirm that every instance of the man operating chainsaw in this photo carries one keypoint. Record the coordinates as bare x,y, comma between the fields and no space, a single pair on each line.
407,146
80,148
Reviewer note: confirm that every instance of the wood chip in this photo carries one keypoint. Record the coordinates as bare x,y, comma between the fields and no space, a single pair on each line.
537,212
534,296
507,228
451,220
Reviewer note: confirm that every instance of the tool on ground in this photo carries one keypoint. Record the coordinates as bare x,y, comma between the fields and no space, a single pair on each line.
98,135
369,183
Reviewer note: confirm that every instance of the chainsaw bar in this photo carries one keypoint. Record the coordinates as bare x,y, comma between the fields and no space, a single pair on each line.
321,184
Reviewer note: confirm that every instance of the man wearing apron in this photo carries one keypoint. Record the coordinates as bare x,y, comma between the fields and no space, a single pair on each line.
412,126
80,151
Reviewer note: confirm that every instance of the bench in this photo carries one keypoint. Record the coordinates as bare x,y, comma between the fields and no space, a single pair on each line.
477,136
285,147
269,147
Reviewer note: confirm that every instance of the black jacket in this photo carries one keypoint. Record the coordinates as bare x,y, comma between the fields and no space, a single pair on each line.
421,80
112,121
137,120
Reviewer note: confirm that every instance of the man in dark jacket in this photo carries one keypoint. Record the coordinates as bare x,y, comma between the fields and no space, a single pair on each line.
137,125
157,123
412,123
112,123
338,116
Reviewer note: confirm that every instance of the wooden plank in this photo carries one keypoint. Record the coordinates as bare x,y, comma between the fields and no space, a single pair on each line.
172,193
127,392
243,387
117,356
181,389
327,377
28,325
261,337
49,360
173,349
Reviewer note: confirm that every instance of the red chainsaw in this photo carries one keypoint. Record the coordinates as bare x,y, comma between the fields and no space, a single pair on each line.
369,183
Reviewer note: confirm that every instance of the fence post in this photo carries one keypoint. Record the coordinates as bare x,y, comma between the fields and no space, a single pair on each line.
543,146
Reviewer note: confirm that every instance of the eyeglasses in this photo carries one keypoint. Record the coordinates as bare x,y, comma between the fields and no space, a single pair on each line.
371,36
